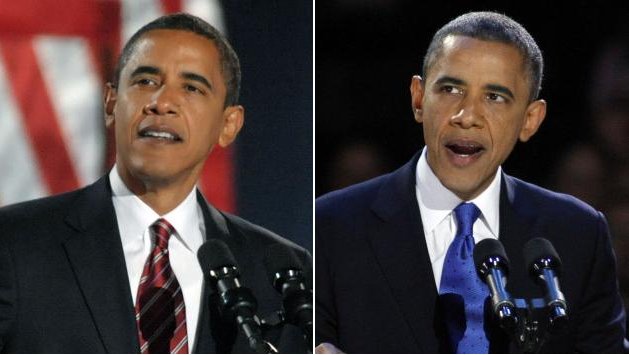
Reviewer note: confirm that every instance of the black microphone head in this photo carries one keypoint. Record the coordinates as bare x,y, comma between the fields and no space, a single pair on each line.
537,249
487,248
215,254
280,257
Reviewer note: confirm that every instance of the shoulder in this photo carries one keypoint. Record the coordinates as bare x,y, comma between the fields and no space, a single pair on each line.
34,208
56,217
258,236
40,214
345,217
574,227
351,199
547,202
382,195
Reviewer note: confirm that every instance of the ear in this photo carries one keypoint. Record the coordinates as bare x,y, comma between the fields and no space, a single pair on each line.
534,116
233,119
109,103
417,95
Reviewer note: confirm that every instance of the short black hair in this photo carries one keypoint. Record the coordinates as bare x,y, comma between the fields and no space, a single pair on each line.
230,64
495,27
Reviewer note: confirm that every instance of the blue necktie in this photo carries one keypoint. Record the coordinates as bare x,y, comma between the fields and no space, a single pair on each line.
462,292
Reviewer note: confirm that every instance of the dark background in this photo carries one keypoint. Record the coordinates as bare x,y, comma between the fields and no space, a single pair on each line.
367,51
274,149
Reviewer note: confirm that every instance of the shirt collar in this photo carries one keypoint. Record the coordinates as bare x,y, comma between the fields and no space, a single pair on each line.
437,202
138,216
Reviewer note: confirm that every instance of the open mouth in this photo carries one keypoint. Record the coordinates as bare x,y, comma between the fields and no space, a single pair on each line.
464,153
162,134
465,148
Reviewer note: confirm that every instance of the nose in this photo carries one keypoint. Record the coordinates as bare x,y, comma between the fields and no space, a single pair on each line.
162,102
469,114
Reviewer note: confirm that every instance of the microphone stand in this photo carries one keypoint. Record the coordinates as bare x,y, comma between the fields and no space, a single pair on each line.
238,303
536,320
278,319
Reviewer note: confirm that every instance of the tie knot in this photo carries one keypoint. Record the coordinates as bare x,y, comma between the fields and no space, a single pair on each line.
162,231
466,215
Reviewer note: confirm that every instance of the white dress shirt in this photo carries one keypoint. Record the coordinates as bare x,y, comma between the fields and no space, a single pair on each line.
134,218
436,205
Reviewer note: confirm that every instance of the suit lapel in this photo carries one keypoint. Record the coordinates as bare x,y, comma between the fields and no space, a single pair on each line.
97,259
399,245
518,224
212,335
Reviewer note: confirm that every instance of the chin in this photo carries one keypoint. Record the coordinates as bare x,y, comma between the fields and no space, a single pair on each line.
150,170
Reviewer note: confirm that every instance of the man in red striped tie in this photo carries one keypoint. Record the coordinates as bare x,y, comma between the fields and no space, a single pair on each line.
112,267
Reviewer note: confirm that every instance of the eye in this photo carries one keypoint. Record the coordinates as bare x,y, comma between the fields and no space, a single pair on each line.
145,82
193,88
450,89
496,97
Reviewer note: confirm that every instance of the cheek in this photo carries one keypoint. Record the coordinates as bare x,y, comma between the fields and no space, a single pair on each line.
434,123
126,108
504,138
205,131
430,133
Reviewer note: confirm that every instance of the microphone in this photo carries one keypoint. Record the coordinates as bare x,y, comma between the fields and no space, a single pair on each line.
236,303
285,271
545,266
492,265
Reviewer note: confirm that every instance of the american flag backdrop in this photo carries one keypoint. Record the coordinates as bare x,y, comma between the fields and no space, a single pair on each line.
55,56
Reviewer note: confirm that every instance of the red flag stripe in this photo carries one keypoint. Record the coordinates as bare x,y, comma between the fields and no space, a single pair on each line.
78,17
40,121
217,180
20,178
171,6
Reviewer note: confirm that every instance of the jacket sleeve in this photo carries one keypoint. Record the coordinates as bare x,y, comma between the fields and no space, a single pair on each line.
601,315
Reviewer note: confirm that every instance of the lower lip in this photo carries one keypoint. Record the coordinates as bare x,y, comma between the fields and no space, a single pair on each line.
462,161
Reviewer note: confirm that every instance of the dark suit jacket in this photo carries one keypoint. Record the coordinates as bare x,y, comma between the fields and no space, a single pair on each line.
64,285
375,289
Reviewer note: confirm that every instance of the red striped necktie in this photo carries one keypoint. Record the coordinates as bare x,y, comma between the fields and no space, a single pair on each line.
160,311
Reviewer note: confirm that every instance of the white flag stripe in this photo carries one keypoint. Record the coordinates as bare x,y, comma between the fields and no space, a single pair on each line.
75,93
137,13
209,10
21,179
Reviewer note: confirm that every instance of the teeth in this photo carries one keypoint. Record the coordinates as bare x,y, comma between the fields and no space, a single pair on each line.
164,135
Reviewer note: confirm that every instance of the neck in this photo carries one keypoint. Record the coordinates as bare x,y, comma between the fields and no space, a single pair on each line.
162,195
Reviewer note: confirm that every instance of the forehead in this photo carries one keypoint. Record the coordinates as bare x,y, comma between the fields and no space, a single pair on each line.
463,56
174,48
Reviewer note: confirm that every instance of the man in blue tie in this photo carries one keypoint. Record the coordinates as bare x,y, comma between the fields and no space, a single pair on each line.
394,269
112,267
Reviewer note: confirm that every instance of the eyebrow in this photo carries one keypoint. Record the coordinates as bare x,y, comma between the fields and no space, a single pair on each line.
449,80
491,87
147,69
198,78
